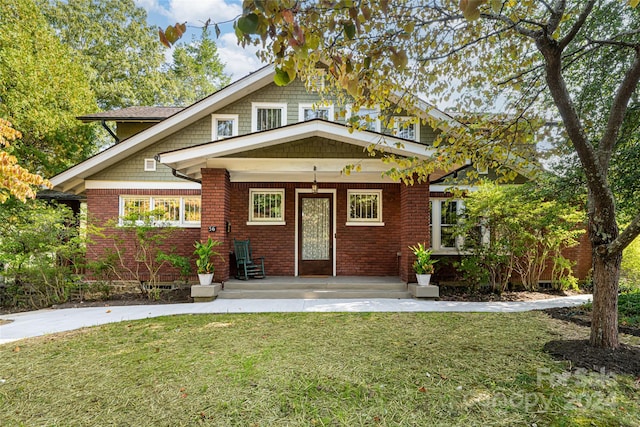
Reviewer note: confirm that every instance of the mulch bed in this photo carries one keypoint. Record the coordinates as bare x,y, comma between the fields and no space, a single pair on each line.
175,296
624,360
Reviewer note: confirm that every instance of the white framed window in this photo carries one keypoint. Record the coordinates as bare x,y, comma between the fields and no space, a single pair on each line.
178,211
223,126
445,214
314,111
266,206
368,118
149,165
407,128
265,116
364,208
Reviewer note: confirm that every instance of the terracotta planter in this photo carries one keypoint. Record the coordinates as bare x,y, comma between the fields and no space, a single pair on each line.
205,278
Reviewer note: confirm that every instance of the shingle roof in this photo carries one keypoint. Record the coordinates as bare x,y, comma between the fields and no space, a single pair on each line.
136,114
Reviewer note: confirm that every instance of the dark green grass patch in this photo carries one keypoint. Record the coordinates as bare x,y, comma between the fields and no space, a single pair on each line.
309,369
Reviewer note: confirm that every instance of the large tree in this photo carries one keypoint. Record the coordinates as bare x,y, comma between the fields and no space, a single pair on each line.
43,87
128,65
527,56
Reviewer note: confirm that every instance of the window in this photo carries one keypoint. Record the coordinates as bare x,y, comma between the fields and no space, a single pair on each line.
175,210
364,207
267,116
368,118
266,207
223,126
149,165
445,214
406,128
312,111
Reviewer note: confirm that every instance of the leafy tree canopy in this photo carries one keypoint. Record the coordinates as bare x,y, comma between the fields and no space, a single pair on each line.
43,88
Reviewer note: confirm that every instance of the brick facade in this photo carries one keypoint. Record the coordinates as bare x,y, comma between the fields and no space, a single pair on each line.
103,208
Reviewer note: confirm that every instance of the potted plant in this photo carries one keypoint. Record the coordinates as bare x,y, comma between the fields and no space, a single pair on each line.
423,265
204,253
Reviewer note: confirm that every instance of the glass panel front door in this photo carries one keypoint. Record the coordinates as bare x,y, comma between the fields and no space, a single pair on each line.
316,251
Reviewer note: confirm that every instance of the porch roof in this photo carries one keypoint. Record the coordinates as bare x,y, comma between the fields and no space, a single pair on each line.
189,161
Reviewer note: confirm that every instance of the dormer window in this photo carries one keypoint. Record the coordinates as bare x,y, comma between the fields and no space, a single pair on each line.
267,116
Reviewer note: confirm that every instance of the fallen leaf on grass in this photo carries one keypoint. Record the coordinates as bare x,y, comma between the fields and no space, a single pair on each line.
17,349
422,389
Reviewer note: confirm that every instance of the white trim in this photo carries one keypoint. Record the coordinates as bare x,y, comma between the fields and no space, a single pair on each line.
318,106
267,105
364,224
364,221
214,125
150,165
377,124
267,221
142,185
333,192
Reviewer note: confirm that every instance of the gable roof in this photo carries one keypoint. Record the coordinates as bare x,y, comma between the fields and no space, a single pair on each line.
189,161
73,179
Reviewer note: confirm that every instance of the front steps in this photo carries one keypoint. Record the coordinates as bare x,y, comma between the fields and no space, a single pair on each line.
315,288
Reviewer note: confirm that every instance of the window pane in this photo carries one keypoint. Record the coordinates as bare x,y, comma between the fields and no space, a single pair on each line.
135,207
363,206
267,206
192,209
406,130
169,206
367,118
225,128
448,219
269,118
319,113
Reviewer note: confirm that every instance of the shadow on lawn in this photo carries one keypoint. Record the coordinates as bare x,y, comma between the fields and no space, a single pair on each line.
625,360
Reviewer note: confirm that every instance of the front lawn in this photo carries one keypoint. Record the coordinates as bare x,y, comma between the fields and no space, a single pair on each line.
335,369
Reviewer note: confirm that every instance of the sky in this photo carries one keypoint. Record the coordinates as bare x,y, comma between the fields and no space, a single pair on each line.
239,62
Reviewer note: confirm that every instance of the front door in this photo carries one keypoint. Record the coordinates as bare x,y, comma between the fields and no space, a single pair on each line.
315,238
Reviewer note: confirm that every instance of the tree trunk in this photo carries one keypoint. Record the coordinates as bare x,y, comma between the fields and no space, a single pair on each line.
604,317
603,229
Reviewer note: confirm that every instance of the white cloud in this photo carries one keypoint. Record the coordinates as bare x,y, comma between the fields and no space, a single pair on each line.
239,61
198,12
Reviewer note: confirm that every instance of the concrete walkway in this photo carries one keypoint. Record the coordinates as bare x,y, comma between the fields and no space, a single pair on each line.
41,322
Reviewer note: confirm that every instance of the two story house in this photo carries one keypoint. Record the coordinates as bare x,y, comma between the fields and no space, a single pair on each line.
267,163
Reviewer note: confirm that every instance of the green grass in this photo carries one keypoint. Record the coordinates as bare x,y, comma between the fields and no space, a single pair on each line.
343,369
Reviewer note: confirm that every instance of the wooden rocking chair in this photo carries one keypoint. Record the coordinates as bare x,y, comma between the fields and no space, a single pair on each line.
247,267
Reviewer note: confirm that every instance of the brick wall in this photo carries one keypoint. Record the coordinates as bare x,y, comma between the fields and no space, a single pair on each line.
414,206
216,212
103,208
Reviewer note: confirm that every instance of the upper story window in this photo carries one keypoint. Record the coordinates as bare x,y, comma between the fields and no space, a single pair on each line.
406,128
265,116
368,118
224,126
364,207
266,207
167,210
313,111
